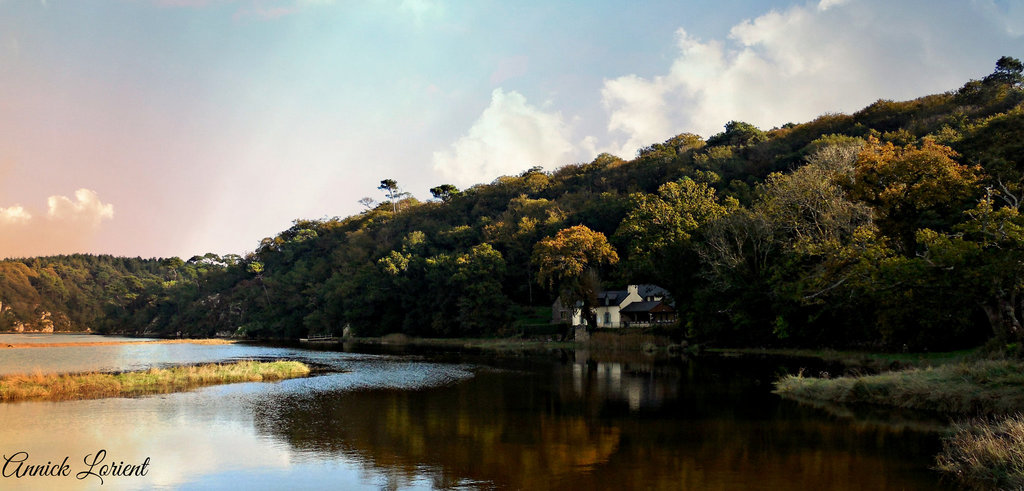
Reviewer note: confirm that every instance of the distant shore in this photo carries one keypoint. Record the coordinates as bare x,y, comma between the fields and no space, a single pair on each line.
106,343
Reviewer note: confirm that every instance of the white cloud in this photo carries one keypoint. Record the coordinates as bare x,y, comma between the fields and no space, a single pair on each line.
827,4
69,226
14,215
86,208
795,64
509,137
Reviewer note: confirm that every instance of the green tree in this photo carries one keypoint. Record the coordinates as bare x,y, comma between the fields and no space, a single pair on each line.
986,261
444,192
257,268
658,230
738,133
1009,71
391,190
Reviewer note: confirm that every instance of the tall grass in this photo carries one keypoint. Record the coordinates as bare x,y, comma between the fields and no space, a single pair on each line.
986,453
157,380
983,387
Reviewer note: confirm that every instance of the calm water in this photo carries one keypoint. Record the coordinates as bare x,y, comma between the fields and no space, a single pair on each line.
427,420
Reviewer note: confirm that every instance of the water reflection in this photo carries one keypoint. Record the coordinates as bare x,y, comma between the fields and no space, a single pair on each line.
41,338
446,420
540,424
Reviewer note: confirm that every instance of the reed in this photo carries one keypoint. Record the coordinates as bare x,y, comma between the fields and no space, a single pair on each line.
39,386
986,454
982,387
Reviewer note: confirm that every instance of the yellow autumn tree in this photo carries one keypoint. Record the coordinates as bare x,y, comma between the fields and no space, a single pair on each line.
912,187
569,263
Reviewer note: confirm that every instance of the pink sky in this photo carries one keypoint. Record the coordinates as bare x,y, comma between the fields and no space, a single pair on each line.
174,128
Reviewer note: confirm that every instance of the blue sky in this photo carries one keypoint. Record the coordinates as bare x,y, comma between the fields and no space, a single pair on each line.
178,127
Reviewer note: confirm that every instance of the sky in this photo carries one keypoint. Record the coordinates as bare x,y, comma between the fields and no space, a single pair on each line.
160,128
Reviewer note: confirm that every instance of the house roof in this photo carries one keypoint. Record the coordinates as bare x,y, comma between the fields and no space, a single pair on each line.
611,297
648,290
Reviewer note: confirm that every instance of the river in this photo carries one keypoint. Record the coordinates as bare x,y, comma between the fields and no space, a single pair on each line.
402,418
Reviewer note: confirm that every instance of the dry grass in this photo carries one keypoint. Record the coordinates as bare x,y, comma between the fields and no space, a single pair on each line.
984,387
110,343
986,453
154,381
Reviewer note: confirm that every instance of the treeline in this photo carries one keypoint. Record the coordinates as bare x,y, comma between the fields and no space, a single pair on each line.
895,226
79,292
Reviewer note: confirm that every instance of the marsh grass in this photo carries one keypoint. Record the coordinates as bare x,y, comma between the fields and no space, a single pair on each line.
986,453
982,387
39,386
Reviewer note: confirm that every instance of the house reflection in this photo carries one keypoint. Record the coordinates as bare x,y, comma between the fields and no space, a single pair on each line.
632,382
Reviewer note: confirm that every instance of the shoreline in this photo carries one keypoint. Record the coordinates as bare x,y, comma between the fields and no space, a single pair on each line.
212,341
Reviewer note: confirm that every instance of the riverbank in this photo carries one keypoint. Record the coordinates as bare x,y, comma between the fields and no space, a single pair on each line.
109,343
876,361
981,387
599,340
154,381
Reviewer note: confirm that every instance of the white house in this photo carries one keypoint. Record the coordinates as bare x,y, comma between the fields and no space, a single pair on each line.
637,305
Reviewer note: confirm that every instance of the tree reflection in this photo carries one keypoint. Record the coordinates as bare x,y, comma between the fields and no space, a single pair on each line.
585,423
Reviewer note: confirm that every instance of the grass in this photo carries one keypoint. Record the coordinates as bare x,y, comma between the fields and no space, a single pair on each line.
866,359
982,387
154,381
986,453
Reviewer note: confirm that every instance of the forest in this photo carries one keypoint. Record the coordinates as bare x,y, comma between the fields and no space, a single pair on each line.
895,227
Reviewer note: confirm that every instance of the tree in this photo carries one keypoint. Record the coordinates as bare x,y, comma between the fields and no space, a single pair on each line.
738,133
912,187
444,192
173,264
986,259
569,263
367,201
390,188
1009,71
658,229
257,268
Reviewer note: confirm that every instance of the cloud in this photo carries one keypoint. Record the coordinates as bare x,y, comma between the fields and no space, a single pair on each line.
86,208
827,4
795,64
509,137
68,226
14,215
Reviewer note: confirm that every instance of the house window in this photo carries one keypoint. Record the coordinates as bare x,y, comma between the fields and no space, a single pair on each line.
563,315
607,318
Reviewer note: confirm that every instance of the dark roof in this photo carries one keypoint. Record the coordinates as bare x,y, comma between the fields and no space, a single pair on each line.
651,291
611,297
641,306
